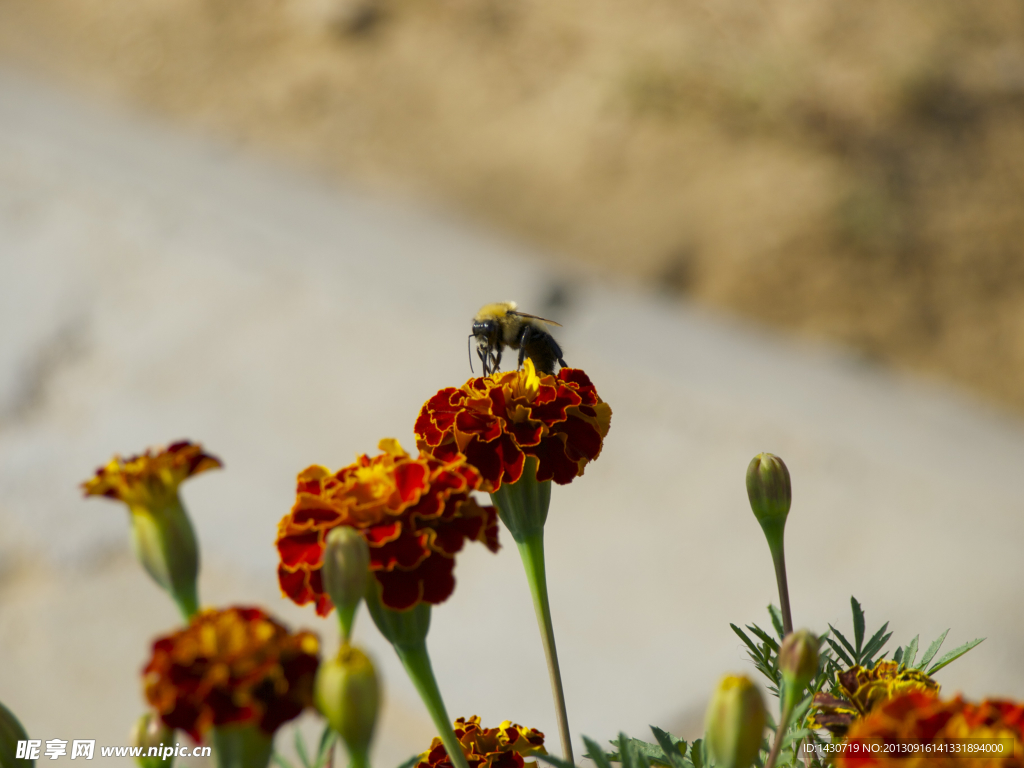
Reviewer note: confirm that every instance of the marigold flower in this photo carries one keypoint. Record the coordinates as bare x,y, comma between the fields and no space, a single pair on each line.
415,514
162,533
232,666
859,690
918,719
501,747
498,420
151,479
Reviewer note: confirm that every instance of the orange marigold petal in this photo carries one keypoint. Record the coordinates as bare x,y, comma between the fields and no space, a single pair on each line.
921,718
150,478
231,666
415,514
503,747
496,421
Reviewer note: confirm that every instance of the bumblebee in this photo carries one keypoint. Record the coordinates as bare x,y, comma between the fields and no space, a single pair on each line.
501,325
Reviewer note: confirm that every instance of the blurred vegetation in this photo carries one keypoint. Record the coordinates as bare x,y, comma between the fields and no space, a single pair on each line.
852,171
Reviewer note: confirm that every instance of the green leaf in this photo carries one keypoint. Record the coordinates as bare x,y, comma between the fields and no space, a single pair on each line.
953,655
280,761
910,653
596,754
550,759
776,615
749,643
932,650
627,752
875,644
858,625
327,739
673,747
416,758
300,748
898,656
697,753
871,661
795,734
634,755
839,651
650,752
844,641
770,641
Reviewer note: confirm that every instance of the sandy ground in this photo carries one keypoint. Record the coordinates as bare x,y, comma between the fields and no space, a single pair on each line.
850,171
156,286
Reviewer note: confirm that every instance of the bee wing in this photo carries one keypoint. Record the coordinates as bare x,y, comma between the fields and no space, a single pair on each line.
535,317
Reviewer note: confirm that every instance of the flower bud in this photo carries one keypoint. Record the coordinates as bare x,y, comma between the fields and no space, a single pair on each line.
162,534
11,732
149,732
769,489
165,543
735,723
346,570
798,661
347,694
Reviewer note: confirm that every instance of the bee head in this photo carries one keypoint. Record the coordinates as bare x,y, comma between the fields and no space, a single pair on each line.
488,343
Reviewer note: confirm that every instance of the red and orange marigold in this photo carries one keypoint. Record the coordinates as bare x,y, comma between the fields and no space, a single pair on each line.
232,666
501,747
150,479
415,513
917,720
859,690
497,421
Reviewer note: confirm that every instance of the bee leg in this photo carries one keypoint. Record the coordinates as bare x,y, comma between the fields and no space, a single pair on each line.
523,340
556,352
497,360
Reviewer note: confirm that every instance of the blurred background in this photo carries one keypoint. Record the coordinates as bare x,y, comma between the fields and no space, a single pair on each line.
266,226
851,172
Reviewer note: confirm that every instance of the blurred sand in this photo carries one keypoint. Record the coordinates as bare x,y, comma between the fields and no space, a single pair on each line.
155,286
854,171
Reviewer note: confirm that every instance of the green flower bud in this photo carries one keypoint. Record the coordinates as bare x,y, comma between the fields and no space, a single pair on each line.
149,732
345,573
347,694
798,661
162,534
771,494
11,732
165,543
769,490
735,723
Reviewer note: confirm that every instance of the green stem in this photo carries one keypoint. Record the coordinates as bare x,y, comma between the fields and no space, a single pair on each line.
188,603
346,617
780,735
417,665
242,746
359,759
407,633
531,550
779,558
